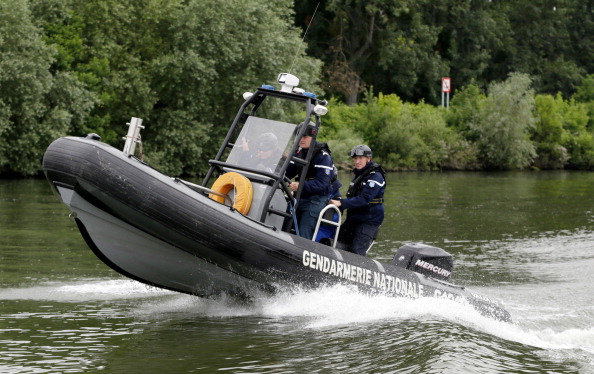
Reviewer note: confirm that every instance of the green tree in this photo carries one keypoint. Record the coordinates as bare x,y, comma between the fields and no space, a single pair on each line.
466,110
405,46
585,96
373,43
182,66
214,51
472,36
36,106
549,133
580,25
505,122
562,133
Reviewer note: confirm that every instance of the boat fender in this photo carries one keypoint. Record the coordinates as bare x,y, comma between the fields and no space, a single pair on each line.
243,190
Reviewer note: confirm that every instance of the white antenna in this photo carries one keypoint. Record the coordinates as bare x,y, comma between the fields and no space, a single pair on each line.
302,39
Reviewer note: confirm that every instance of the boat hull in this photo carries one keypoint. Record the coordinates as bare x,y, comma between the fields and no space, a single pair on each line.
154,229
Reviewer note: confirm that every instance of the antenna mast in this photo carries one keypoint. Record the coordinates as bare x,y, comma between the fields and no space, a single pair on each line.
302,39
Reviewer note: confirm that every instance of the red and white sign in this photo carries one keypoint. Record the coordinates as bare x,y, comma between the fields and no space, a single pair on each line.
446,85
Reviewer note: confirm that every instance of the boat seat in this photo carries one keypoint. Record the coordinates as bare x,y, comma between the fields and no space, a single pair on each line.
328,226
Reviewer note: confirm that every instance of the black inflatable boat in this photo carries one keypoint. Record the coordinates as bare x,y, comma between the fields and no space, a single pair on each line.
234,233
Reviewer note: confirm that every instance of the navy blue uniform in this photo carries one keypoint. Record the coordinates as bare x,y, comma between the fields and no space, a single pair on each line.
316,189
365,204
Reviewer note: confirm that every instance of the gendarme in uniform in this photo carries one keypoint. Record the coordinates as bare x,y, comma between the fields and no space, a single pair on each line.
364,201
317,187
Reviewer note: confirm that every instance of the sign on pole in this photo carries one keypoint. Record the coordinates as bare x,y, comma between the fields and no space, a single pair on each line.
446,87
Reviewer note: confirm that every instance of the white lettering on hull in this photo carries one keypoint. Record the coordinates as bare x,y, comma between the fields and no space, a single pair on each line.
353,273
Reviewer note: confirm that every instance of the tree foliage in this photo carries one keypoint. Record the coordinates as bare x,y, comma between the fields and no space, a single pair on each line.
522,74
506,127
549,133
406,46
403,136
79,66
36,106
563,136
505,124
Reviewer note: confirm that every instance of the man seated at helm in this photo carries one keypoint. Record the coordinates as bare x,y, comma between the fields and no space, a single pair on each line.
364,202
318,185
264,154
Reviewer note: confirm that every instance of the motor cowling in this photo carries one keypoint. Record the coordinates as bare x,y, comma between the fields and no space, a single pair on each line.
424,259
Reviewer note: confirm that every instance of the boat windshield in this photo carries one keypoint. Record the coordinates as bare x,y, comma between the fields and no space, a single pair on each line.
262,144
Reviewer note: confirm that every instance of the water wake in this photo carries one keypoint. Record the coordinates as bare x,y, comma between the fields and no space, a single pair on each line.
82,290
320,309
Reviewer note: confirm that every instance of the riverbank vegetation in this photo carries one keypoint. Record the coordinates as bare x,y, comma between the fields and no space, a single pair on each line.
506,127
523,77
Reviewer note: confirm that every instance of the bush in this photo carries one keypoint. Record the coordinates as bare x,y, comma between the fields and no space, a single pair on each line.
498,124
419,139
585,96
402,136
339,131
341,145
562,134
549,134
466,110
509,128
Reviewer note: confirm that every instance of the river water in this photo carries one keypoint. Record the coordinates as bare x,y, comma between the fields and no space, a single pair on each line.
525,238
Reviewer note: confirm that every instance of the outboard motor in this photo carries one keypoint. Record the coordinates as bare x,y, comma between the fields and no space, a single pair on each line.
421,258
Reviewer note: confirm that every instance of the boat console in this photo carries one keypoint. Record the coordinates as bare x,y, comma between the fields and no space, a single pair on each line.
260,145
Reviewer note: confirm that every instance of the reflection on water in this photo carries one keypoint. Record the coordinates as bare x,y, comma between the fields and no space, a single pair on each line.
437,207
523,238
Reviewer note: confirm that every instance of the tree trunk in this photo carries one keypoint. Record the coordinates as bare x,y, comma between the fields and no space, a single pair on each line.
351,98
